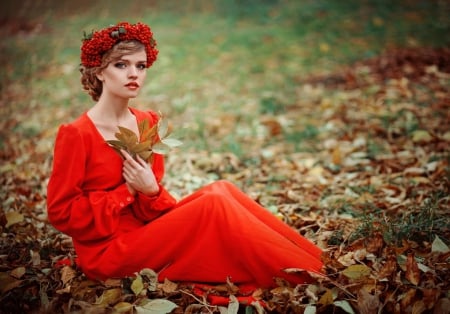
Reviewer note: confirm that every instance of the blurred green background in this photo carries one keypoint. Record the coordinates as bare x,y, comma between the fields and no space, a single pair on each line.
242,58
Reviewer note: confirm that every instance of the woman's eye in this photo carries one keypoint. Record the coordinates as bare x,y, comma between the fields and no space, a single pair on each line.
120,65
141,66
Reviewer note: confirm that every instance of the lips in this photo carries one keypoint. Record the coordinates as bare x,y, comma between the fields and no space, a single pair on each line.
132,85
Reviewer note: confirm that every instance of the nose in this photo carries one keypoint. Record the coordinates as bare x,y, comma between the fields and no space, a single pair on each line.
132,72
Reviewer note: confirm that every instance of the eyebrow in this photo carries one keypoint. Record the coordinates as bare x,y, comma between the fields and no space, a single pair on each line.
127,60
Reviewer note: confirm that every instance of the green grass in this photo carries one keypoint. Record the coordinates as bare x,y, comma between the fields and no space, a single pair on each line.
239,57
419,224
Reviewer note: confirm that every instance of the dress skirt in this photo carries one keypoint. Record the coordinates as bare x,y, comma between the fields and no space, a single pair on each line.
216,234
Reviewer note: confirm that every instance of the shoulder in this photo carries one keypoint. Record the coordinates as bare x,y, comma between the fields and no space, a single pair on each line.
147,114
79,128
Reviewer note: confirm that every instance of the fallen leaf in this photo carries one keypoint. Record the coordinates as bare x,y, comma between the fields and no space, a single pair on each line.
356,272
67,274
123,307
412,270
327,298
8,282
13,217
421,136
343,304
18,272
233,305
439,246
137,286
168,286
109,297
156,306
367,303
310,309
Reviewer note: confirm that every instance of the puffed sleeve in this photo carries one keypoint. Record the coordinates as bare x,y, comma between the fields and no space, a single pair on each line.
83,215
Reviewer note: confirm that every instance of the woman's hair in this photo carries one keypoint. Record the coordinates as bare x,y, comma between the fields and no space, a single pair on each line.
89,78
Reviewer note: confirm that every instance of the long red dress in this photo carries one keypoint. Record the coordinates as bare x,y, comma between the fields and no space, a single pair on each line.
215,233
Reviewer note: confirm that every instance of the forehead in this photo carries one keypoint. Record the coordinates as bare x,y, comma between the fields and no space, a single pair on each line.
134,56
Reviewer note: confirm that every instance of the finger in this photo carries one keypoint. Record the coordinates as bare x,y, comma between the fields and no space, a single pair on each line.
141,161
125,154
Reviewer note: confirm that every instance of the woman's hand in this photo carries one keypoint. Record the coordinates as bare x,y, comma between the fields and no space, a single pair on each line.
139,175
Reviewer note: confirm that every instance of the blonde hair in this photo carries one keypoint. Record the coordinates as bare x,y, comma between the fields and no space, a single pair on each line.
89,79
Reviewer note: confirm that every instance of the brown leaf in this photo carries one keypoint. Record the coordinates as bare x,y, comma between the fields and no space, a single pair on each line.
168,286
407,298
336,156
8,282
67,274
412,270
327,298
388,268
18,272
368,303
375,243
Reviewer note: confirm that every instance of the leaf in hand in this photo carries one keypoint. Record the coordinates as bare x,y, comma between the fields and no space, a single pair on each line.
151,140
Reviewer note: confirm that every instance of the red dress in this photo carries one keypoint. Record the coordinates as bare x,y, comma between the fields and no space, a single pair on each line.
216,233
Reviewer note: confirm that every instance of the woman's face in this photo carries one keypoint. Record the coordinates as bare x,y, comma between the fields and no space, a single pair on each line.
124,77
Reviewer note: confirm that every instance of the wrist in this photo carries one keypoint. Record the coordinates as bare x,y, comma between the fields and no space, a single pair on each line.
131,189
152,191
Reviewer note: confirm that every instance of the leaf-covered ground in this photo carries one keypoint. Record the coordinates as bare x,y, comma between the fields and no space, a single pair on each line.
373,192
356,159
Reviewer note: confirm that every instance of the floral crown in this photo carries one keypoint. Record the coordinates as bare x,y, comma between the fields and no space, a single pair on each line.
96,43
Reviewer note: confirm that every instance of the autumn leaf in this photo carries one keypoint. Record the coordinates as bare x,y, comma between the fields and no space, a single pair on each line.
439,246
356,272
327,298
150,140
18,272
123,307
137,286
156,306
412,270
13,217
109,297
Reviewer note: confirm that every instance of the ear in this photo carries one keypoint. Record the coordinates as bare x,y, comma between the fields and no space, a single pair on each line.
99,75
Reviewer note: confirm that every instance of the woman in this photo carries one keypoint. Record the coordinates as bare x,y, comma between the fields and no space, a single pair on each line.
122,219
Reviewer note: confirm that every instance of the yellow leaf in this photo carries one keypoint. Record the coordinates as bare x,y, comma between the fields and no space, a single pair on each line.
123,307
421,136
356,272
336,156
109,297
137,285
13,217
326,298
18,272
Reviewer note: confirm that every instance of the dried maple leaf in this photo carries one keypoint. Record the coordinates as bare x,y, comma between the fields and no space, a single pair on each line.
151,140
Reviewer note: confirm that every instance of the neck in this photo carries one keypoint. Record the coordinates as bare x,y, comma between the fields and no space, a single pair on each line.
113,110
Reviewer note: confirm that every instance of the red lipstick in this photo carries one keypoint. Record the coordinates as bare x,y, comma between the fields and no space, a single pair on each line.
132,85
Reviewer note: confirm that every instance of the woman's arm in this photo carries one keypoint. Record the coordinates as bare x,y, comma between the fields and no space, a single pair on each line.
84,215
